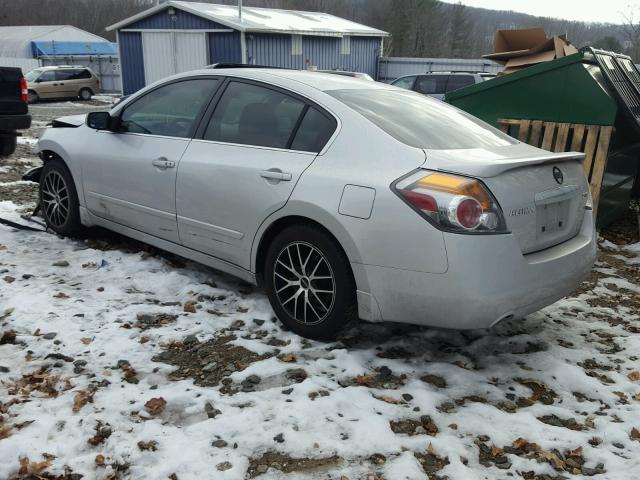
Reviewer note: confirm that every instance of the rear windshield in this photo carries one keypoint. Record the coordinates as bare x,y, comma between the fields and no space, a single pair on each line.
420,121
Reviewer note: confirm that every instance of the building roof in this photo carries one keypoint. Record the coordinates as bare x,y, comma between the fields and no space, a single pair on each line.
16,41
269,20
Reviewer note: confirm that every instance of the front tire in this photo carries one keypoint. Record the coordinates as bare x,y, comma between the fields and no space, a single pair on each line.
59,199
309,282
85,94
32,97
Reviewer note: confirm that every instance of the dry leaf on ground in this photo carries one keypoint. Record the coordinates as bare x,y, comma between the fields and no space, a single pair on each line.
155,406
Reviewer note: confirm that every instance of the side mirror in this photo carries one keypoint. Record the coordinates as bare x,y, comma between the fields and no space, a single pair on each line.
99,121
38,80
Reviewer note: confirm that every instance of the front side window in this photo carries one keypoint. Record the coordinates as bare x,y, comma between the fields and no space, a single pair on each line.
420,121
170,110
253,115
33,75
404,82
431,84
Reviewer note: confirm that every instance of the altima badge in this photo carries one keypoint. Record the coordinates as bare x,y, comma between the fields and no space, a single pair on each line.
557,174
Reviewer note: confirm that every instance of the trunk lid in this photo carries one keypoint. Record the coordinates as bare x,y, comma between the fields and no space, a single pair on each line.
542,194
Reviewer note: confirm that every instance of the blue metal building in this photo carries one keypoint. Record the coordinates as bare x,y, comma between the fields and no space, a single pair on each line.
178,36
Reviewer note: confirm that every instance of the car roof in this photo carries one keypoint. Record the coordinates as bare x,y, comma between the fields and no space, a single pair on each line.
451,73
318,80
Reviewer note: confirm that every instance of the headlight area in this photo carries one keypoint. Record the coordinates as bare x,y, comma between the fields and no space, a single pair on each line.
453,203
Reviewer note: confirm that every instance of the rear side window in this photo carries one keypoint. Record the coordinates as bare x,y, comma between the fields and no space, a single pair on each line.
62,75
459,81
81,75
420,121
431,84
314,132
249,114
170,110
404,82
72,74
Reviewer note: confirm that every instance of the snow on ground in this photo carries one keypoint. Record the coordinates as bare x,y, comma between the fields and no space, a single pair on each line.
103,326
120,362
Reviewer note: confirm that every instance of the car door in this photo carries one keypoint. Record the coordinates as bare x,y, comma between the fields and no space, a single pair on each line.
243,166
46,84
434,85
64,80
129,175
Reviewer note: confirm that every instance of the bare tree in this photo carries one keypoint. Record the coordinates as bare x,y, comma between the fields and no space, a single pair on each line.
423,28
632,32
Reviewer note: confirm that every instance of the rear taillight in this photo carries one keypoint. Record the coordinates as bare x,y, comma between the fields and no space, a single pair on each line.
24,91
452,202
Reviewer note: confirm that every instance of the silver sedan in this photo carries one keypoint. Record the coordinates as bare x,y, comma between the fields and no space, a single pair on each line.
344,198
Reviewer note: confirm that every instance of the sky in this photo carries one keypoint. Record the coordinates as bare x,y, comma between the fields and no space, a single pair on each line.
583,10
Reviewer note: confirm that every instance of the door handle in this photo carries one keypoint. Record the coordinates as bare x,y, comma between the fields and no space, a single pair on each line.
276,174
163,163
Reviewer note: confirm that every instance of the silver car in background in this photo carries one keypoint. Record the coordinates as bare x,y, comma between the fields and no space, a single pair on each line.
438,84
344,198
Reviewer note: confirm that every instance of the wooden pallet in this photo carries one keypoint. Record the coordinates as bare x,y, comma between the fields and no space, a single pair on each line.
592,140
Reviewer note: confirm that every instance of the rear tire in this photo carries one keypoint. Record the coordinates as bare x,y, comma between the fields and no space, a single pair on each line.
59,199
309,282
85,94
8,144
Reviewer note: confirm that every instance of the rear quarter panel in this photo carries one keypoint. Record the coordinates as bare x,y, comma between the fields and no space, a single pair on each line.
363,155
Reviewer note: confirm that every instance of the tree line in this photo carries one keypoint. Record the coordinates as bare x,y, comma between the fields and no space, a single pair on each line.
419,28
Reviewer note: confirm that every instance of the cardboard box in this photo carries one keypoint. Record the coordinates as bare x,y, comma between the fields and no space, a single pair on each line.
516,49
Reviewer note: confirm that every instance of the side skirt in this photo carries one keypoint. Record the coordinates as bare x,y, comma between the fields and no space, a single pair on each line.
199,257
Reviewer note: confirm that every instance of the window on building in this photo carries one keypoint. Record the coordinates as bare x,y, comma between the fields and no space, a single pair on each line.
345,45
252,115
170,110
296,44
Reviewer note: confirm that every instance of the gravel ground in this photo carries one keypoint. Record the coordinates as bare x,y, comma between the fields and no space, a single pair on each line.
119,361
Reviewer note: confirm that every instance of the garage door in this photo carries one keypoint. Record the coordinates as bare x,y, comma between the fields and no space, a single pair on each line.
168,53
191,51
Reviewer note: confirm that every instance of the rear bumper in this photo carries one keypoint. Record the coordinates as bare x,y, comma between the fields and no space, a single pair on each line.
15,122
488,279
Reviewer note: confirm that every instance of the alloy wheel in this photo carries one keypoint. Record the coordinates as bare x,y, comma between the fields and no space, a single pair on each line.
304,283
55,199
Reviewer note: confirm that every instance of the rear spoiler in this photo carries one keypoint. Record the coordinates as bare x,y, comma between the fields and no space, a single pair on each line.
482,163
